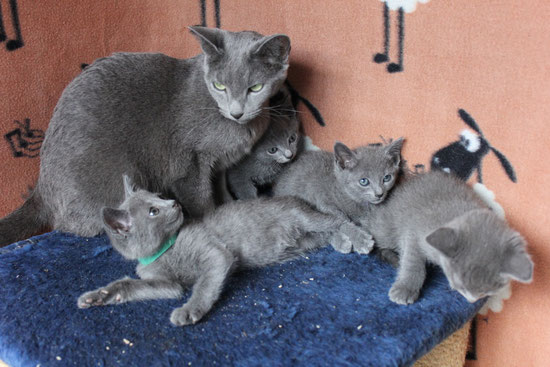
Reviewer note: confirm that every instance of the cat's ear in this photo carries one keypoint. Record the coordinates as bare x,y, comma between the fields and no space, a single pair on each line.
129,186
344,156
116,221
274,49
445,240
211,39
393,150
516,263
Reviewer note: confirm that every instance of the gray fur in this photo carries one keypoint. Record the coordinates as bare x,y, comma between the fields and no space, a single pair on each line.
240,234
277,147
435,217
331,182
159,120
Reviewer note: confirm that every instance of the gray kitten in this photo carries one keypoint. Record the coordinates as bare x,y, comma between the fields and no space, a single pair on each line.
347,183
277,147
240,234
435,217
166,122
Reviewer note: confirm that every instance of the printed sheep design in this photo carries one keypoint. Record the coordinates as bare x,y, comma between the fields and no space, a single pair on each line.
402,6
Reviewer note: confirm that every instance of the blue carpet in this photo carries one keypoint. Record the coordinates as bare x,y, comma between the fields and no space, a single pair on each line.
326,309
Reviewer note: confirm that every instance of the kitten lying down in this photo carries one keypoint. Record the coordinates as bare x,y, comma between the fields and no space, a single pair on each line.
203,254
435,217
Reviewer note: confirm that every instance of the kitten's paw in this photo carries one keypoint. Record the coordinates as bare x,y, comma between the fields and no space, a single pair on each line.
186,315
99,297
341,243
403,295
362,241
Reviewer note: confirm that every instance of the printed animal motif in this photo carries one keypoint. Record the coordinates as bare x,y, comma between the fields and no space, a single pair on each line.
17,42
24,141
465,156
402,6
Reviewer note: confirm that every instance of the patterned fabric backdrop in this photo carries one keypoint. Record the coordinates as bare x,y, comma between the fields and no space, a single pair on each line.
466,82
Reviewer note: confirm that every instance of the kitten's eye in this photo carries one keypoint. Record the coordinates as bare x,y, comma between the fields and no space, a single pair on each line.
153,211
387,178
272,150
256,87
219,86
364,182
292,138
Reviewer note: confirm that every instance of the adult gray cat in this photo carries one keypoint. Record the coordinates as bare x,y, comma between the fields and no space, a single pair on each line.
435,217
277,147
165,122
240,234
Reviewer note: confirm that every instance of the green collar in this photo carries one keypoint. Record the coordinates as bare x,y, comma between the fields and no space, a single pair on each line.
150,259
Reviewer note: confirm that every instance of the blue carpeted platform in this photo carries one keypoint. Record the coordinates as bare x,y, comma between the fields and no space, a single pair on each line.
327,309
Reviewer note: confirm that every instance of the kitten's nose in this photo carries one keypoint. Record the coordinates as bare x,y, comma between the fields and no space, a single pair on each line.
288,154
237,115
378,196
175,204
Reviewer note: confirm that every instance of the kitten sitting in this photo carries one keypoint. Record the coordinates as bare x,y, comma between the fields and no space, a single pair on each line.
435,217
277,147
240,234
346,184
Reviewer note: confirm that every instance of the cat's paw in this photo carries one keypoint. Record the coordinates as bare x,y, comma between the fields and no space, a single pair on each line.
361,241
403,295
186,315
341,243
99,297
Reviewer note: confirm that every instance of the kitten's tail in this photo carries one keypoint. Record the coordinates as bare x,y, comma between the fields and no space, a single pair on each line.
24,222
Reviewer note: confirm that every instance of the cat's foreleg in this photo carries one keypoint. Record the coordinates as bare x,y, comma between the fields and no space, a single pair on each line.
195,190
128,289
410,274
344,235
206,289
350,237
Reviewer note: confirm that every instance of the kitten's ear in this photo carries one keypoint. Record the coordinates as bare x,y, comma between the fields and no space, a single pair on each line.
211,39
116,221
516,263
274,49
393,149
344,156
129,186
444,239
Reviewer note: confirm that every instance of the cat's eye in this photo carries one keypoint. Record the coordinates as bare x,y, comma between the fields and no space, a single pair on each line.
153,211
364,182
256,87
387,178
219,86
272,150
292,138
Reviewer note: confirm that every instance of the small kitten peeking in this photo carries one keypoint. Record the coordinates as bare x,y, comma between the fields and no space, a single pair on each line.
435,217
277,147
240,234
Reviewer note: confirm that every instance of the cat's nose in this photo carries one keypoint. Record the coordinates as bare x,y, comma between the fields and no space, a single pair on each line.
175,204
378,196
288,154
237,115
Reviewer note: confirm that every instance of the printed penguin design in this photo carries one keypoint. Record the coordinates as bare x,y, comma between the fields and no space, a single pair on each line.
464,156
17,42
402,6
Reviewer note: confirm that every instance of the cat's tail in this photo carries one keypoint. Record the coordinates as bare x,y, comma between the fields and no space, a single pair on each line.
24,222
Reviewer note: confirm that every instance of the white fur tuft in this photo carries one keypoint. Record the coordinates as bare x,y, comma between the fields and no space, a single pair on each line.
408,5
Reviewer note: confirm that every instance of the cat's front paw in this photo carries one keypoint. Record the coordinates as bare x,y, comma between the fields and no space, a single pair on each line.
186,315
403,295
356,238
341,243
99,297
